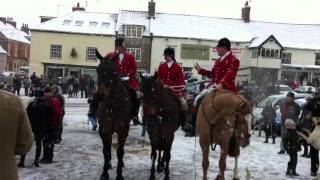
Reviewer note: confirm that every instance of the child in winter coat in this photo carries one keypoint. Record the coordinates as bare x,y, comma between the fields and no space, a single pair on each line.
292,146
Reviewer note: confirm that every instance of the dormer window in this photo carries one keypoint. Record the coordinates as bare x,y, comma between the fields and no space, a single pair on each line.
133,31
105,24
78,23
67,22
93,24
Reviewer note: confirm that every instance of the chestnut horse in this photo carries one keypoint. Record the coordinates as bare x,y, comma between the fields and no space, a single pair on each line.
223,118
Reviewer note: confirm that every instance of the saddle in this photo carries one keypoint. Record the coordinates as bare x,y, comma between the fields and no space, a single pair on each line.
221,105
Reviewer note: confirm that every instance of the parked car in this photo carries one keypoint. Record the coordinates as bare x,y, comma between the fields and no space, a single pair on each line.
276,101
304,89
284,89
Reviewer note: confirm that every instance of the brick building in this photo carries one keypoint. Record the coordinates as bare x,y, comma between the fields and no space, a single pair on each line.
16,43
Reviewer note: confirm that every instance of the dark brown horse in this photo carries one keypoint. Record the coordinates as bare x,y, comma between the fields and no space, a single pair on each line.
113,107
161,111
223,118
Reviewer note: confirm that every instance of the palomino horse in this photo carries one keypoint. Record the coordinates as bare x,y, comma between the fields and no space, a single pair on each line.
113,107
223,118
161,111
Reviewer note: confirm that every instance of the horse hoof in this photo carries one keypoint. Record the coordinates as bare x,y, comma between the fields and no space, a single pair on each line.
119,177
160,168
219,177
166,178
152,177
104,176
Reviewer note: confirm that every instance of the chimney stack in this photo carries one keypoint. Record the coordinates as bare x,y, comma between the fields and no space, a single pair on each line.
78,8
151,9
3,19
12,22
25,28
246,13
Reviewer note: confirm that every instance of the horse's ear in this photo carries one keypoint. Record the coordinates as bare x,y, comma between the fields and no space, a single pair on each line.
99,55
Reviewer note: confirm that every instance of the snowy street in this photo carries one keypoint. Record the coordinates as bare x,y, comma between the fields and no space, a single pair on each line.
79,156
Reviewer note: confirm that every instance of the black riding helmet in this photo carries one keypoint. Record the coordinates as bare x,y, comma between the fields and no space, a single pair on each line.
119,42
169,51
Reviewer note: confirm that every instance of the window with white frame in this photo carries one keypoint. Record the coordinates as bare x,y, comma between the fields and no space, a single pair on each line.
317,59
286,58
91,54
93,24
133,31
55,51
136,52
78,23
254,53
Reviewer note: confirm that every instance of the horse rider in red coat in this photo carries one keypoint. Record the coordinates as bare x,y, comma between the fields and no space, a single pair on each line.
224,71
171,76
127,69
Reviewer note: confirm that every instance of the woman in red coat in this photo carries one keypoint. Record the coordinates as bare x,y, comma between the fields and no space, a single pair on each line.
171,76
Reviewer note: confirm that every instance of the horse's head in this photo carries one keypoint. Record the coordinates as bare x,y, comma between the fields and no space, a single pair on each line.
107,73
244,117
150,88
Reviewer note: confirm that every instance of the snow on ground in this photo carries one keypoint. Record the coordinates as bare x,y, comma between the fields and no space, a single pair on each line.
79,156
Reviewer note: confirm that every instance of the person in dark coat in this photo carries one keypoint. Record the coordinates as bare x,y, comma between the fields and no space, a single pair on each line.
269,115
292,146
305,124
17,84
39,113
76,88
53,123
92,114
91,87
83,83
289,110
33,78
314,106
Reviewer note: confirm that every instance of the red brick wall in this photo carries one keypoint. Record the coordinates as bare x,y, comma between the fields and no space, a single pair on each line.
18,54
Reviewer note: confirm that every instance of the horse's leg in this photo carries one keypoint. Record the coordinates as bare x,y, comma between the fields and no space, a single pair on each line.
167,153
160,165
222,161
106,140
204,143
236,169
153,158
122,137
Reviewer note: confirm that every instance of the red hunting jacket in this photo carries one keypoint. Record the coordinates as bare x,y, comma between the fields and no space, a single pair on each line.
224,72
172,77
127,67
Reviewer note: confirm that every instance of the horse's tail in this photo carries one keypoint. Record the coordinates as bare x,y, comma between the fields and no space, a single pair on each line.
233,147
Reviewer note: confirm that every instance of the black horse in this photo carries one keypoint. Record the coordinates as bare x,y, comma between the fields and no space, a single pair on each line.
113,107
161,110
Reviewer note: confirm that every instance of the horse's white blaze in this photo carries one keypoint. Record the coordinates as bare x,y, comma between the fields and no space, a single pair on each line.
248,118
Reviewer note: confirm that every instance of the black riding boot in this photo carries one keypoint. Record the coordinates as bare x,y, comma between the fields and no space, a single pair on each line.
266,141
21,163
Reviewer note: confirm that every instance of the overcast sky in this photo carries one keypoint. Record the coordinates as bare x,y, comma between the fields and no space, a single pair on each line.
292,11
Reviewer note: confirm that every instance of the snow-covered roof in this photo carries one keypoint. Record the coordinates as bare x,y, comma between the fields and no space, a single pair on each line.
302,36
13,33
81,22
259,41
2,51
